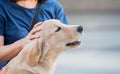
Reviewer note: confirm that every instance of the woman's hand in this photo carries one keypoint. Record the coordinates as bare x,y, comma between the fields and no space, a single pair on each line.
31,35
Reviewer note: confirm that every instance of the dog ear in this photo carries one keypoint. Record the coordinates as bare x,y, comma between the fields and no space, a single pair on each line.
37,52
34,54
44,50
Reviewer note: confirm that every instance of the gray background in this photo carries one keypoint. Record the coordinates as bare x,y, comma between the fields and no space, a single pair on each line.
99,52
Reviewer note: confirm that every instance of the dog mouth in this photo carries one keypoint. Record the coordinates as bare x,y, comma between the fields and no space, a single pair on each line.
74,43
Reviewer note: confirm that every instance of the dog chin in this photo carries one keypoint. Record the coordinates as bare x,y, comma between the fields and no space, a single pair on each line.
73,44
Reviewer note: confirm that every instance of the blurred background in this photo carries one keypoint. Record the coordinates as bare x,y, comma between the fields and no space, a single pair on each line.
99,52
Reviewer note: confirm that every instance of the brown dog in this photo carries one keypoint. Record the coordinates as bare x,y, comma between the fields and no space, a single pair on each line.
39,56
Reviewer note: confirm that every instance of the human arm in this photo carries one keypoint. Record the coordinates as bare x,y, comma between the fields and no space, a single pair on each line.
8,52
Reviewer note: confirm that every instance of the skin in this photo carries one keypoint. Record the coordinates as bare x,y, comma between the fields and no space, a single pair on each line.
8,52
27,3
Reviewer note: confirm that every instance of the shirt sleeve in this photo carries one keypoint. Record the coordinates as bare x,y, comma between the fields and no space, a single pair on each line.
2,20
1,26
59,13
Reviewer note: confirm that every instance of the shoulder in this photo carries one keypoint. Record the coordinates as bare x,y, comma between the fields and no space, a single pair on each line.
53,3
3,2
5,6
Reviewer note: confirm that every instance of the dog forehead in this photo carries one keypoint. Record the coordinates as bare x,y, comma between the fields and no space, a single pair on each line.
52,22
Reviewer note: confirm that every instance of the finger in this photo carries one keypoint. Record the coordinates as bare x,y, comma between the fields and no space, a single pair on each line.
38,24
31,37
35,31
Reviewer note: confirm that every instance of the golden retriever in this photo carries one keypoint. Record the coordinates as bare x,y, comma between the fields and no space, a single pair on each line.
40,55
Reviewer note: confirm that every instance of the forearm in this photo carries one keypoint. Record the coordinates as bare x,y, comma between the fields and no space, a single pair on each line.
9,51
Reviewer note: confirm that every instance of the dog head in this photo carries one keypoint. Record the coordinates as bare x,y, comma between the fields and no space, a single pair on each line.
55,37
59,35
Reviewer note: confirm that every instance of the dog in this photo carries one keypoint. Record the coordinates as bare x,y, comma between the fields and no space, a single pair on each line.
40,55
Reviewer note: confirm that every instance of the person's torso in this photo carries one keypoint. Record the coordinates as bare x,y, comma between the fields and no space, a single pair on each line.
18,20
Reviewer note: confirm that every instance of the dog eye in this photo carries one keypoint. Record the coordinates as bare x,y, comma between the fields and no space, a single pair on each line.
58,29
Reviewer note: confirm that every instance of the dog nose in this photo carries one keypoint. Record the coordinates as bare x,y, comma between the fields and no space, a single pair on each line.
80,29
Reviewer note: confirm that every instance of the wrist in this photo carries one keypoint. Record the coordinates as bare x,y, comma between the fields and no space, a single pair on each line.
18,44
22,42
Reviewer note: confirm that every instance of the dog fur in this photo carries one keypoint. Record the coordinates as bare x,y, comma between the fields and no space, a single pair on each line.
40,55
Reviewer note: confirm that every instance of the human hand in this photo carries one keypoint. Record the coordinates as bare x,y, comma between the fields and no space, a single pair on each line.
31,35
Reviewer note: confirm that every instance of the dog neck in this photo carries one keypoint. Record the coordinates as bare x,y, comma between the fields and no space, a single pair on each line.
44,66
49,62
29,60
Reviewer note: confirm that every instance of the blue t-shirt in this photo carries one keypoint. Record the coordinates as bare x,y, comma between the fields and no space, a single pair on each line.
16,21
